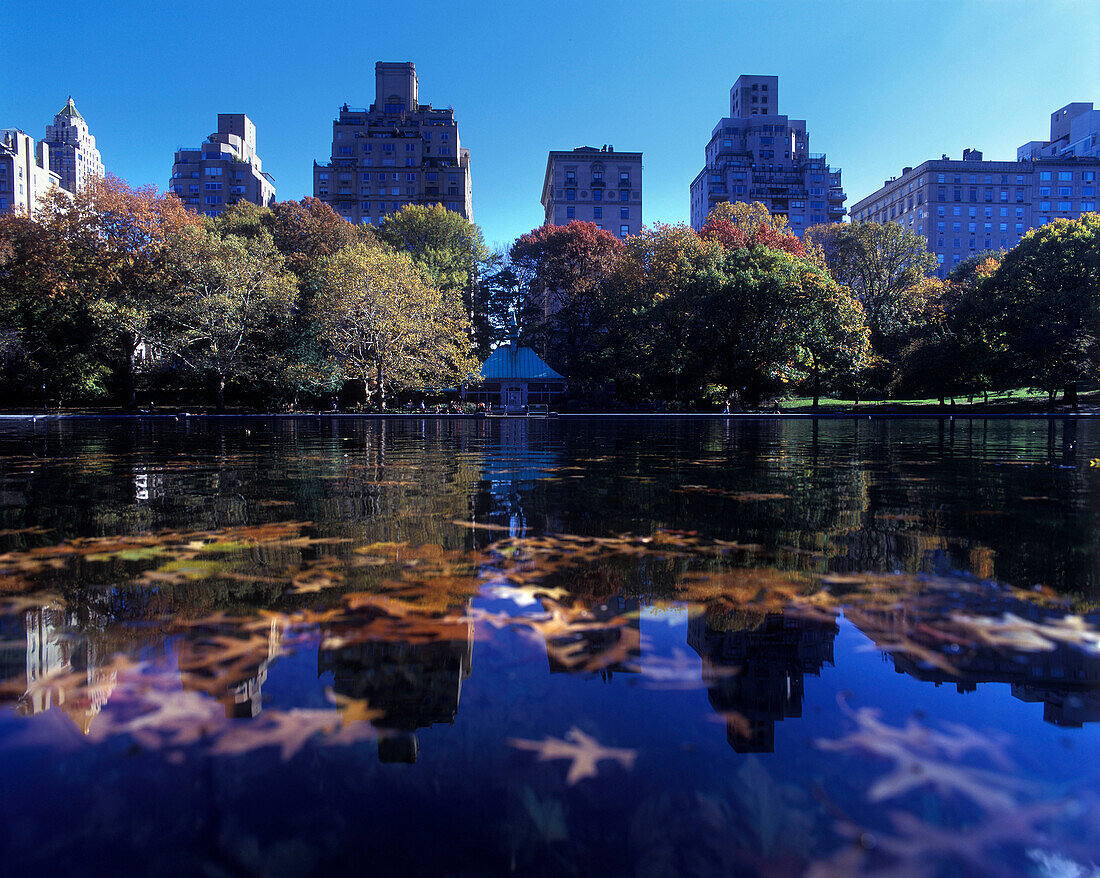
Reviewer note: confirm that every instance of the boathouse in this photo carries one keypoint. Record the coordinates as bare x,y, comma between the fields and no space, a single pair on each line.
513,378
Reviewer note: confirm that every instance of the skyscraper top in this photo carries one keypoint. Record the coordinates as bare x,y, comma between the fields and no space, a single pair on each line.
70,110
395,87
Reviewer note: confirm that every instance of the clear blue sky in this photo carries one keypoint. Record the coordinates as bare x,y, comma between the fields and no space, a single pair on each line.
881,83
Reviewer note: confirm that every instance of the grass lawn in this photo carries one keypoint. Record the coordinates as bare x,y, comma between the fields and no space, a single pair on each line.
1010,400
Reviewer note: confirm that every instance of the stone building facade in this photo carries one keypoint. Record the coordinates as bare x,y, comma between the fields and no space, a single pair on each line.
25,174
224,170
595,185
73,154
756,154
394,153
964,206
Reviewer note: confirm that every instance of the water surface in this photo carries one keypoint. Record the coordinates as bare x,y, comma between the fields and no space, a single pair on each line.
459,647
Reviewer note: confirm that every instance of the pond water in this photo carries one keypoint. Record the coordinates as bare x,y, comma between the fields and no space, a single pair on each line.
462,648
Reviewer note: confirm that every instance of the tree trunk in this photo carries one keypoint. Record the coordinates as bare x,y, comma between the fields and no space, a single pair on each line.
1070,397
128,394
817,390
381,389
221,394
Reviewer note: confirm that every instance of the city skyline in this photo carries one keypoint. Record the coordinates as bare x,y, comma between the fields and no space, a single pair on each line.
643,76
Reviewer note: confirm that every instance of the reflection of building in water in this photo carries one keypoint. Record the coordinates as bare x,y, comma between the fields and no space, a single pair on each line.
523,455
613,646
60,665
239,686
1065,678
756,674
417,685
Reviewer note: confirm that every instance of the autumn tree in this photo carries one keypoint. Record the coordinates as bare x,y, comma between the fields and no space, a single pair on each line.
227,293
118,238
570,265
738,224
383,324
308,231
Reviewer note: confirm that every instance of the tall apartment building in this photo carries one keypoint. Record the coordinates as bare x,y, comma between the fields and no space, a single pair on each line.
25,173
73,154
224,170
962,207
397,152
597,185
755,154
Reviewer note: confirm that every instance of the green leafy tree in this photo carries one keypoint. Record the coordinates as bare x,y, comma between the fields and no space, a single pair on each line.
228,292
381,323
50,333
450,253
1043,301
884,265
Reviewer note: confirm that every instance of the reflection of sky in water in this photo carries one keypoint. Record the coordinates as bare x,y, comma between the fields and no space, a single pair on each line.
728,734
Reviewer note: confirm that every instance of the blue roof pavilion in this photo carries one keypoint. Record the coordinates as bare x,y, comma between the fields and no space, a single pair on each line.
515,377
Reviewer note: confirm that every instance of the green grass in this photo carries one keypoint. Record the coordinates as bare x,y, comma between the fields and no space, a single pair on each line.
1019,399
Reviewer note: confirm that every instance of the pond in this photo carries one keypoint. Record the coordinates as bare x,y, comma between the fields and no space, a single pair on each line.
563,647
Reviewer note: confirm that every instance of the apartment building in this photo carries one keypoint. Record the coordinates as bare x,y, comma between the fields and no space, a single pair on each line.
25,174
597,185
756,154
1074,131
224,170
396,152
962,207
73,154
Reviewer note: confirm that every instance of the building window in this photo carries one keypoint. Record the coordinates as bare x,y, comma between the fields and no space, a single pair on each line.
624,213
1065,176
597,195
570,212
624,231
1044,175
597,212
212,172
624,195
570,194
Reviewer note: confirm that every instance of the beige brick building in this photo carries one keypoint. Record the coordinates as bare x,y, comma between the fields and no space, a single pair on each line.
224,170
73,154
594,185
396,152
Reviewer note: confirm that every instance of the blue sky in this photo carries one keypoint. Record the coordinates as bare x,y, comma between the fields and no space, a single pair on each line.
882,83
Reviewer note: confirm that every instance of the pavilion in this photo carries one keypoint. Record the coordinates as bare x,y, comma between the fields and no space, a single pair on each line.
513,378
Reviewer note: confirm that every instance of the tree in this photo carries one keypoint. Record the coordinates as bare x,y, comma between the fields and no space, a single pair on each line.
835,340
449,251
308,231
570,265
383,324
50,335
884,265
735,225
1044,305
118,238
228,292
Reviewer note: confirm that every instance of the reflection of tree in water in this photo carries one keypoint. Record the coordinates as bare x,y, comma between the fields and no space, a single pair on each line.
1064,677
417,685
755,673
